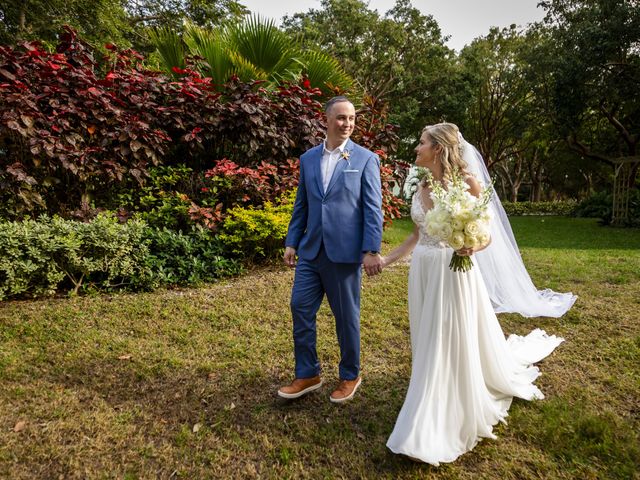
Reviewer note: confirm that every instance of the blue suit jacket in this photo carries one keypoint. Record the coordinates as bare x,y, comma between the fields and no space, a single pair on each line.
347,218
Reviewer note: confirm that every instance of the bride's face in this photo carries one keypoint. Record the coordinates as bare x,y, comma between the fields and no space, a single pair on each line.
425,152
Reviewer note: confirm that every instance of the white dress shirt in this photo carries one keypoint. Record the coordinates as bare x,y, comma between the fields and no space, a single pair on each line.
329,161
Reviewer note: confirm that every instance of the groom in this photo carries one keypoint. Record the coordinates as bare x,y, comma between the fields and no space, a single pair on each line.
335,228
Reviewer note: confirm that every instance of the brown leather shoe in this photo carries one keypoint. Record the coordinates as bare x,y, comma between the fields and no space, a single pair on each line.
346,390
300,387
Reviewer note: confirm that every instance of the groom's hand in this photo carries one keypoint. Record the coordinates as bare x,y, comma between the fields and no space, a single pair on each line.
290,257
372,264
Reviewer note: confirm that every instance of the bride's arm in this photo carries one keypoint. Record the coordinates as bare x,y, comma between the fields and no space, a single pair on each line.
402,250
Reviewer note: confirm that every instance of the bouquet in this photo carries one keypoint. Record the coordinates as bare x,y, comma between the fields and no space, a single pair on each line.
458,218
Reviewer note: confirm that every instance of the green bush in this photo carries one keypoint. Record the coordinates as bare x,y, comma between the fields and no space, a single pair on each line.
255,234
161,203
562,208
44,256
600,205
182,259
27,258
170,210
37,257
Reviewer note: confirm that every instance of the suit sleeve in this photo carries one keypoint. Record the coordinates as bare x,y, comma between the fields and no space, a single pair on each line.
298,222
372,205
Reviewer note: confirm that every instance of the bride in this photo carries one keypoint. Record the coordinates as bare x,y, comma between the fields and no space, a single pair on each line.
464,373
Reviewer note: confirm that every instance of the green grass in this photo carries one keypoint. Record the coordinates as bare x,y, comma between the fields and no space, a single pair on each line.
181,383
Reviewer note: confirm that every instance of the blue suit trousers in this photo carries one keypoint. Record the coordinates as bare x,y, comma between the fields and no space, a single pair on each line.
341,283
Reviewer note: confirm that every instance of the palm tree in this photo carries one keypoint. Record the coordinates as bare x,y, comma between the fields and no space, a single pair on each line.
254,49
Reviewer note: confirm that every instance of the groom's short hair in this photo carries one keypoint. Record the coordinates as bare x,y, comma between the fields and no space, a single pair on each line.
339,99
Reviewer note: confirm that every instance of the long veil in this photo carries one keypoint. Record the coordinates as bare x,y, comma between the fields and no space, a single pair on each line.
505,276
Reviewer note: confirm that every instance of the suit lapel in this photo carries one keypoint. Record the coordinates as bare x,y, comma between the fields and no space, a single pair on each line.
317,170
340,167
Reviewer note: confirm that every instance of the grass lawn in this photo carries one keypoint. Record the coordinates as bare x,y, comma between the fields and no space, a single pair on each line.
181,383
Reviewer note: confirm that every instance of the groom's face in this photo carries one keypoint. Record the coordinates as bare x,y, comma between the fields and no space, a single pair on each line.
341,119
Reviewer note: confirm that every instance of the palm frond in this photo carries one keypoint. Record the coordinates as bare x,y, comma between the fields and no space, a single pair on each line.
260,42
326,73
170,47
246,70
212,45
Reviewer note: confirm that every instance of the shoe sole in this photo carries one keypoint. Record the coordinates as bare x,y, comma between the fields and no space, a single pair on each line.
340,400
291,396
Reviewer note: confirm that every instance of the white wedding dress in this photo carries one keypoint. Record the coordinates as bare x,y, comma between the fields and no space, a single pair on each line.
464,372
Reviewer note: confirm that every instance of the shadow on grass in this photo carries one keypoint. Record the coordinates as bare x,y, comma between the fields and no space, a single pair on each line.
242,417
195,420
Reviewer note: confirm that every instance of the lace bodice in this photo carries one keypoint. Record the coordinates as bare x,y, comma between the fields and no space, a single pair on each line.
417,215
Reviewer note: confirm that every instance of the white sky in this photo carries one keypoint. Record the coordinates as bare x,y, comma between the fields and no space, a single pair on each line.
462,20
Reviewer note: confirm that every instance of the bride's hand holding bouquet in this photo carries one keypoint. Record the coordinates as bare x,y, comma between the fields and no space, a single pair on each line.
459,219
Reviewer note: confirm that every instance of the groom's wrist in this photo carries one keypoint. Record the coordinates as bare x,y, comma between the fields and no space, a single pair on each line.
371,252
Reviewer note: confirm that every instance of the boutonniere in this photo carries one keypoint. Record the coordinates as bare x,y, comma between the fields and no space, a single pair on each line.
346,154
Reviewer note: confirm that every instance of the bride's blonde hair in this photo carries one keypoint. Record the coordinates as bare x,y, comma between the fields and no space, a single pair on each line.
447,135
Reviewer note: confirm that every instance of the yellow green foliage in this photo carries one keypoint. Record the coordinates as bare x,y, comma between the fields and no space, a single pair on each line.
255,233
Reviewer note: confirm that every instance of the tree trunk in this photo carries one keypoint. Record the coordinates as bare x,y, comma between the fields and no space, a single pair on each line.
513,177
515,188
23,21
588,177
536,170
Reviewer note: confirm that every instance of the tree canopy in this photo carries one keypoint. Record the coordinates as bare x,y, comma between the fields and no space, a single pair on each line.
399,57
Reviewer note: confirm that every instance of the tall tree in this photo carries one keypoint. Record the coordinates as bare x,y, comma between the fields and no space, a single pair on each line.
595,65
97,21
399,58
502,110
123,22
595,82
171,13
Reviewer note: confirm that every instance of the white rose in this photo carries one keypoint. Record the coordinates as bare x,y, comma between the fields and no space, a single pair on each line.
471,241
432,229
445,230
441,216
472,228
456,240
457,223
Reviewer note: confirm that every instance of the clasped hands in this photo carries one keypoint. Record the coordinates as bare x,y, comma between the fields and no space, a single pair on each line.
373,264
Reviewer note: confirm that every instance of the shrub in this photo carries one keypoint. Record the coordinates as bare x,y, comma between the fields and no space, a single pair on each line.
255,234
160,202
67,132
600,205
563,208
109,254
41,257
233,185
37,257
27,258
75,130
178,258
